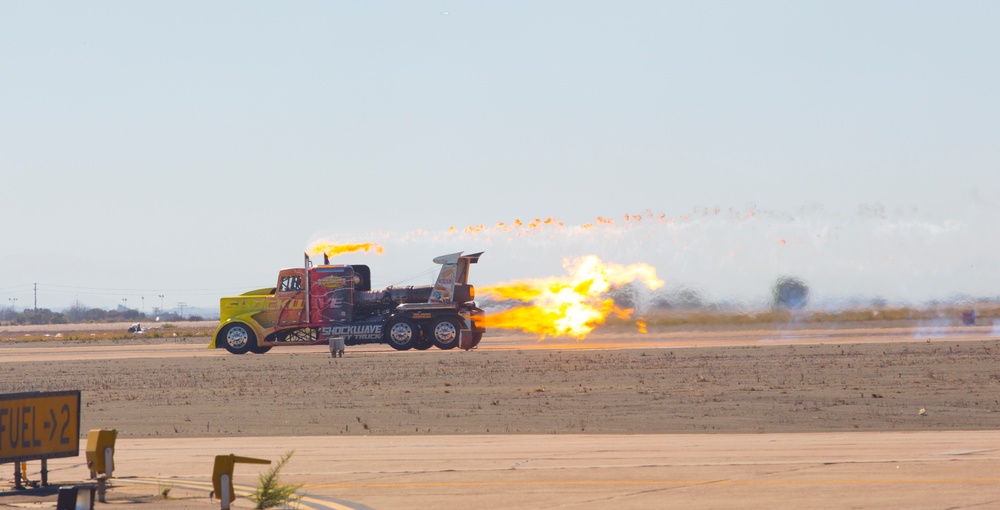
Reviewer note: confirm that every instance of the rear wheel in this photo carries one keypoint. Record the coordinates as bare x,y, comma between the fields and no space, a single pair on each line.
444,332
402,334
237,338
473,342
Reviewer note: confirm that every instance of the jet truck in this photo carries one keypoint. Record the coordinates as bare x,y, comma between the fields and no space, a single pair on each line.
319,304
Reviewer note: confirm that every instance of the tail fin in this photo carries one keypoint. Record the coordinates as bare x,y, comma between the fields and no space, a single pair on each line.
454,269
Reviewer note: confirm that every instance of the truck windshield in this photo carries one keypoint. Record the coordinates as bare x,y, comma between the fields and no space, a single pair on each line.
290,283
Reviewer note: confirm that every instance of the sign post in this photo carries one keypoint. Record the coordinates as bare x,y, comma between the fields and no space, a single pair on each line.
38,426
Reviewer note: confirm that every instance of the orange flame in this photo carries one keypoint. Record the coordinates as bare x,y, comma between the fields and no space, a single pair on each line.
572,305
332,250
553,227
515,228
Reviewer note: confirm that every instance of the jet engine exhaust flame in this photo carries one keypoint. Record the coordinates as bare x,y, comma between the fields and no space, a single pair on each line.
332,250
572,305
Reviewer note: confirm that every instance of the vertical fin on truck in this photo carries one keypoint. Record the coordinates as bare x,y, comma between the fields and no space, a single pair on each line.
454,269
444,287
463,267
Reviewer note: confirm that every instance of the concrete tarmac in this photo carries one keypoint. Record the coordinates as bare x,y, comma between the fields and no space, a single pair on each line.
60,350
912,470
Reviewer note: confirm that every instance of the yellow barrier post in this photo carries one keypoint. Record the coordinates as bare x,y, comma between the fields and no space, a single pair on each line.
222,476
100,457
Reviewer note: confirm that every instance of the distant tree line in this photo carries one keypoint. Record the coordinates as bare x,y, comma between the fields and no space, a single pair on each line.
788,292
81,314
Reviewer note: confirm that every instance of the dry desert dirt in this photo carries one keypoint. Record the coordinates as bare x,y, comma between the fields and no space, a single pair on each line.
616,383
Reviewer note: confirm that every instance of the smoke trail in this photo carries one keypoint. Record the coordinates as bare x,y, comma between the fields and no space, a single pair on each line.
734,255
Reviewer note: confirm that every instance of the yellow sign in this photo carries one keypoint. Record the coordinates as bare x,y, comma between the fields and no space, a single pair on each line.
39,425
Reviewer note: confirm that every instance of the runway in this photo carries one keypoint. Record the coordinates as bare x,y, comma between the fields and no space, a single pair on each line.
193,347
915,470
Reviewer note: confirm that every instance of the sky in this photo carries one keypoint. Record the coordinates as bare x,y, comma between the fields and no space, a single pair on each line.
192,149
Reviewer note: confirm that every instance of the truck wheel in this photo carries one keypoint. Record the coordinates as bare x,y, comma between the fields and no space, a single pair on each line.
444,333
256,349
402,333
237,338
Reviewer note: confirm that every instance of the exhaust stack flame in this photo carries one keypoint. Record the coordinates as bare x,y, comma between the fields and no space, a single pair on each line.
332,250
572,305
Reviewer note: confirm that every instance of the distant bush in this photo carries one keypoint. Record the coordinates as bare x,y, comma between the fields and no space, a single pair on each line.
790,293
76,314
680,298
39,316
624,296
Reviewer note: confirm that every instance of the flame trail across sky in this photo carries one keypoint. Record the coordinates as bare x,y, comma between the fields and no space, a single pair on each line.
734,255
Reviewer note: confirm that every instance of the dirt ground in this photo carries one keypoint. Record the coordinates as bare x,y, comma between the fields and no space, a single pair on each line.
811,387
736,389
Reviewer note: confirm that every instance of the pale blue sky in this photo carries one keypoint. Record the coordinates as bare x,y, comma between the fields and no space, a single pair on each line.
193,148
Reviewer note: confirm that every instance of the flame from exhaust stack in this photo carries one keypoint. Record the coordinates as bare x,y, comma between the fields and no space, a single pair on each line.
332,250
571,305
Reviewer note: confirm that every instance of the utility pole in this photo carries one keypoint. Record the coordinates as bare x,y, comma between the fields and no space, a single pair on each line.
161,303
181,306
36,298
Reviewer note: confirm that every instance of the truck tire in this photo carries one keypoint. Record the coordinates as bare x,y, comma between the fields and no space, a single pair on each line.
424,343
256,349
476,337
444,332
402,333
237,338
